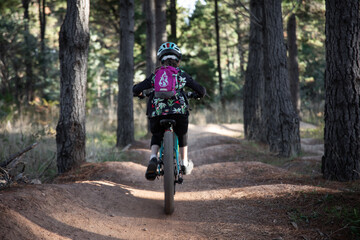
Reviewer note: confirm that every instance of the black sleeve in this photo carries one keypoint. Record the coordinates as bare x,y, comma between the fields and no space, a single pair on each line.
191,83
146,84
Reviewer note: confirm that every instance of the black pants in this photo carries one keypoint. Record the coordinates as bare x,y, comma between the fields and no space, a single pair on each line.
181,128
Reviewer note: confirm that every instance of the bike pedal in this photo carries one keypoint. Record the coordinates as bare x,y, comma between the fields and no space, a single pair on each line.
180,180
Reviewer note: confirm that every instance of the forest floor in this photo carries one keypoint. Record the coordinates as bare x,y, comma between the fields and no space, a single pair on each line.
237,190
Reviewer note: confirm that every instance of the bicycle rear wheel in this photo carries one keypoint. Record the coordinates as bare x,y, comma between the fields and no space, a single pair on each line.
169,171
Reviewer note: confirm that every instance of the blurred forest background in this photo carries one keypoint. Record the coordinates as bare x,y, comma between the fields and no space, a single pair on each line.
30,71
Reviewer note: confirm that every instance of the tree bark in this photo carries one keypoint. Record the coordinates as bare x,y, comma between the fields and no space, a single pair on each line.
125,129
254,88
42,18
293,65
281,120
74,43
161,36
149,8
173,16
218,50
240,48
28,61
342,87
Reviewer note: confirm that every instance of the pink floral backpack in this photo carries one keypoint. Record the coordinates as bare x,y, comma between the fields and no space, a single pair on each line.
165,82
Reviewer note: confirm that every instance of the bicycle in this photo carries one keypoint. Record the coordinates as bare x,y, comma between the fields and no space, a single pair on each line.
169,165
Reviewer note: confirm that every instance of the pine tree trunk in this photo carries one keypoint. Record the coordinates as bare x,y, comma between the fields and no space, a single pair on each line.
74,43
42,18
160,14
149,8
293,65
240,48
281,120
111,97
342,113
28,61
218,50
254,88
173,15
125,128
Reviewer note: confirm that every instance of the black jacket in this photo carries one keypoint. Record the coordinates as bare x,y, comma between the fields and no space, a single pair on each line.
176,105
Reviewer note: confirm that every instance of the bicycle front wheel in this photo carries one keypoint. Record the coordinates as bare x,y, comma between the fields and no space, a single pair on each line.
169,171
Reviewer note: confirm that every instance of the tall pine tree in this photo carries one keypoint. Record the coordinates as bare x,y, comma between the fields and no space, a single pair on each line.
342,112
125,128
254,88
282,121
74,45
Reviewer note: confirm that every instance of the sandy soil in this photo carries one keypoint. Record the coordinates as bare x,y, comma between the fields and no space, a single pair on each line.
229,195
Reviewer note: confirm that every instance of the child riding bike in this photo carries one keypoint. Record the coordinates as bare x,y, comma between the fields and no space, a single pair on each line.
174,106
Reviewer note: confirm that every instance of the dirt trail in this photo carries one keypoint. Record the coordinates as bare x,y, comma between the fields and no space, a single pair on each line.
227,196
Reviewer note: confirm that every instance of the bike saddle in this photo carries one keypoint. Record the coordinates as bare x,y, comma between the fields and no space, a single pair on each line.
167,122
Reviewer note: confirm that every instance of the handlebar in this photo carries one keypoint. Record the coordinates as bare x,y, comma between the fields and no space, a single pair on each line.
192,95
147,93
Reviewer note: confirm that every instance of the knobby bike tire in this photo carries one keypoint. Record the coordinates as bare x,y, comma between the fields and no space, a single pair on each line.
169,178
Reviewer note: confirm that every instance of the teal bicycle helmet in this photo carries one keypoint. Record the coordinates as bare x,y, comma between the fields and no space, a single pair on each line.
169,48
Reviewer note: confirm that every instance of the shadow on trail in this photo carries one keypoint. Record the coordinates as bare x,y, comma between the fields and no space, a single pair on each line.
35,215
51,225
222,175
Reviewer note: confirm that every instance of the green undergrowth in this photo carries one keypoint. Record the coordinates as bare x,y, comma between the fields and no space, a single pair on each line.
349,217
39,162
259,152
338,214
316,133
38,124
332,215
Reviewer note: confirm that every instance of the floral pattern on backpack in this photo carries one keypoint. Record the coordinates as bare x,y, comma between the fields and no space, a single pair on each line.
176,104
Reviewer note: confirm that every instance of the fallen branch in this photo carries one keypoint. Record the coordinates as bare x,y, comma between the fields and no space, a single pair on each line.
18,154
126,148
47,167
340,229
4,178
